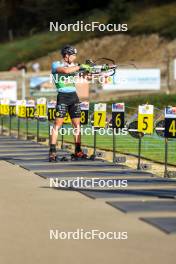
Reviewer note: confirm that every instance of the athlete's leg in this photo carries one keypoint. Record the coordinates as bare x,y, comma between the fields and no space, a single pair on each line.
77,128
75,114
77,136
52,152
61,109
57,124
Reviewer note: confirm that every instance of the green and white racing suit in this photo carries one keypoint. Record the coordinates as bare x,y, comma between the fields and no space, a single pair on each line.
67,98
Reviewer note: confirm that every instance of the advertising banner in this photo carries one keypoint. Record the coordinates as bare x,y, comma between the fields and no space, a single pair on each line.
133,79
8,89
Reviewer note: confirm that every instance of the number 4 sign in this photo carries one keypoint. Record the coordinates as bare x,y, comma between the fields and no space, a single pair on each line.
100,115
145,118
170,122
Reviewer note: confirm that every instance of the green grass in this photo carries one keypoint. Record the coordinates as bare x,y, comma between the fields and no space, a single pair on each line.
155,19
38,45
152,146
159,100
35,46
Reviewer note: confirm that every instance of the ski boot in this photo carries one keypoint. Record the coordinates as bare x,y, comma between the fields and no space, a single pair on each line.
52,156
64,158
80,155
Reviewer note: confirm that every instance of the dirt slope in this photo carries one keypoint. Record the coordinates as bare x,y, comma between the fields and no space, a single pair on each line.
145,51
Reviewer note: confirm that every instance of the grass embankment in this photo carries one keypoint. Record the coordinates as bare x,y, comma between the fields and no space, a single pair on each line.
155,19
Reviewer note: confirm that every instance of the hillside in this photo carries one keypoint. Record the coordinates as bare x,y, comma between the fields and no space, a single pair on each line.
144,50
139,43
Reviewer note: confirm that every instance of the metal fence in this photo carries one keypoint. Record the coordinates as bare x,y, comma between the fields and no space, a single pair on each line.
153,147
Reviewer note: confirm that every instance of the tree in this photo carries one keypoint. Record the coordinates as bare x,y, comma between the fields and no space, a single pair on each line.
119,11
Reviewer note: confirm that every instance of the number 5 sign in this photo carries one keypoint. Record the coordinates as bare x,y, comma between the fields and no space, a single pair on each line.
100,115
170,122
145,119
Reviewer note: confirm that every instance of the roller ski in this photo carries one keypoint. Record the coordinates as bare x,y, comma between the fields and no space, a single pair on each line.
79,155
52,156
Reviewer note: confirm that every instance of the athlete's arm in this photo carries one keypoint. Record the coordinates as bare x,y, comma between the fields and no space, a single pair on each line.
68,70
72,69
59,67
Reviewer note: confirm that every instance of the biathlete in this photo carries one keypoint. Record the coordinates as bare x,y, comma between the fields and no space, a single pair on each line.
67,98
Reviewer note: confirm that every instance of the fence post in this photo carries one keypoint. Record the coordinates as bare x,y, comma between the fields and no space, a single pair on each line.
18,128
114,147
166,158
23,85
2,119
139,152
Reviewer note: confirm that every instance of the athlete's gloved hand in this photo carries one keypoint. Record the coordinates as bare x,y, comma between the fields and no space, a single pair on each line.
105,67
85,67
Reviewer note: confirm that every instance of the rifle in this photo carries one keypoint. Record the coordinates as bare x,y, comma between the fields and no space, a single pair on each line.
109,67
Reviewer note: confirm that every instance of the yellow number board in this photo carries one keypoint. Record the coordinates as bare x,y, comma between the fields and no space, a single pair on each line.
30,109
100,115
51,106
84,113
5,107
170,122
12,108
41,108
21,108
145,118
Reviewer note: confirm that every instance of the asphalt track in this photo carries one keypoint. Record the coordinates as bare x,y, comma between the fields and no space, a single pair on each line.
148,199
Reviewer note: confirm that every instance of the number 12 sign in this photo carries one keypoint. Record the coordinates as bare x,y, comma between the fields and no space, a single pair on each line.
170,122
30,108
145,118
